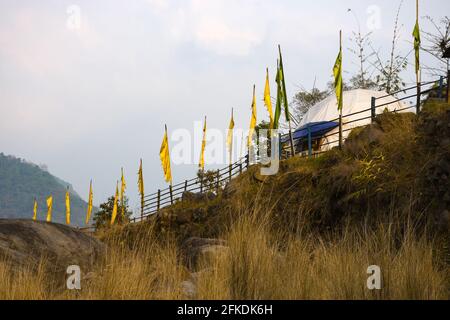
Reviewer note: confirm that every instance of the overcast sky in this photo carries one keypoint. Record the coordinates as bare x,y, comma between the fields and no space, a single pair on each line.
87,86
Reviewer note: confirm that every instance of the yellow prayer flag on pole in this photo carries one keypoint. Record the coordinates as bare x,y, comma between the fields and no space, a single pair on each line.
337,72
140,180
89,208
123,186
141,187
67,207
49,208
252,120
114,211
267,100
35,208
416,35
164,155
201,163
230,136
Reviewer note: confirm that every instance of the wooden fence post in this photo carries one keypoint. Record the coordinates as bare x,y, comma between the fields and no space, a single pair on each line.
171,197
201,183
309,142
340,130
240,168
247,160
448,87
159,200
230,168
372,108
441,84
218,181
185,185
419,93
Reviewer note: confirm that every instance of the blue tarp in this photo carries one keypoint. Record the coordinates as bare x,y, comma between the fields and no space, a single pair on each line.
317,129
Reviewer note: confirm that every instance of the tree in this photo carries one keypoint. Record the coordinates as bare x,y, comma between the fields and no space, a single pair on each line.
303,100
388,78
362,79
437,44
102,218
208,180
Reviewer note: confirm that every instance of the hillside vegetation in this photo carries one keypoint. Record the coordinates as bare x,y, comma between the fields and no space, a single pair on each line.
399,166
309,232
21,182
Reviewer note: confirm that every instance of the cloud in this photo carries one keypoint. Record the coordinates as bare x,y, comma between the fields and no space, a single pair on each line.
222,27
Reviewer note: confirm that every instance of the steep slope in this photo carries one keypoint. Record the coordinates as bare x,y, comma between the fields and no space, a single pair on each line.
397,168
21,182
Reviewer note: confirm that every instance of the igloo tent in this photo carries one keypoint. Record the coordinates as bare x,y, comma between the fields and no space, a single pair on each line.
356,104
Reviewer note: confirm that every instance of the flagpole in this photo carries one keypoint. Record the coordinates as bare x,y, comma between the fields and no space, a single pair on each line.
340,111
242,144
418,70
287,116
231,142
142,196
291,138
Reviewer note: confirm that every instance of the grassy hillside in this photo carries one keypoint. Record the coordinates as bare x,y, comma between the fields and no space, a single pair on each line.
399,166
309,232
21,182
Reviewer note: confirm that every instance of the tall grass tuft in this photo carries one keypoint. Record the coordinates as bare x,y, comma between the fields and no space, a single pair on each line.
264,265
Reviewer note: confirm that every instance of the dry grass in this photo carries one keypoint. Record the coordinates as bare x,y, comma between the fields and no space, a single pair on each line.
262,265
146,270
25,284
258,265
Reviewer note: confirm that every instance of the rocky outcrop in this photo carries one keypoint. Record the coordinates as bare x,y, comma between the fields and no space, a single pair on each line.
27,243
194,249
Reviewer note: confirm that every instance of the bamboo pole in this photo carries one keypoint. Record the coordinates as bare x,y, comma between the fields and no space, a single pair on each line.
418,71
159,200
342,93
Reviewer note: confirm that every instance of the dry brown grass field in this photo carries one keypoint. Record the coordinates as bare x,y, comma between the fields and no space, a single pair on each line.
258,264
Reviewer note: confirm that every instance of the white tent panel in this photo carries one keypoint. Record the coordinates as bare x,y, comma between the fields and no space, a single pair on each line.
355,101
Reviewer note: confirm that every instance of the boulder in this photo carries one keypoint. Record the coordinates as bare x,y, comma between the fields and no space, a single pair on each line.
27,242
195,248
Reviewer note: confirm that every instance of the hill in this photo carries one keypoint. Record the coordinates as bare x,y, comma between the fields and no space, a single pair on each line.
315,230
22,181
397,166
312,230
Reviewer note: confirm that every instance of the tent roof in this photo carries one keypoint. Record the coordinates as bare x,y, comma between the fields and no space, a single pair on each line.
316,128
354,101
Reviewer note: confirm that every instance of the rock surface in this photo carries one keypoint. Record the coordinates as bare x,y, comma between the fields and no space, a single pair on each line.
26,242
196,248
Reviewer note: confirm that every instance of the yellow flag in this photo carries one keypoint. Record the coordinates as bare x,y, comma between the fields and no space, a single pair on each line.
89,208
67,207
49,208
252,120
140,180
267,100
116,197
35,208
164,155
123,186
230,136
337,72
416,35
201,163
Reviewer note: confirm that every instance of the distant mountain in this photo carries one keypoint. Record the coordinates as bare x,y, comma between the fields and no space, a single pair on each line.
22,181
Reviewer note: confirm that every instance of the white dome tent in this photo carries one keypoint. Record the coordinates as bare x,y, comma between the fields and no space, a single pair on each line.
355,101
